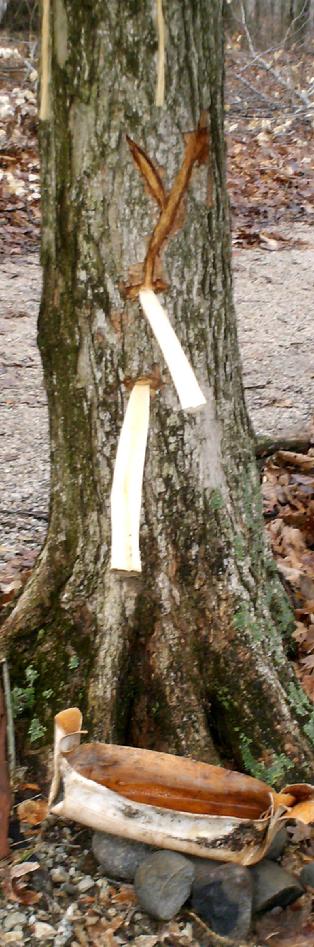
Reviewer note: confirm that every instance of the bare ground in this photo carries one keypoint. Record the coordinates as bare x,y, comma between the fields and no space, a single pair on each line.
274,298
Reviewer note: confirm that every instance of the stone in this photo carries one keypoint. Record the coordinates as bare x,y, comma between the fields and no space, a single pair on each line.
13,920
119,857
13,937
43,931
41,881
163,882
58,875
85,884
222,897
278,845
307,875
273,886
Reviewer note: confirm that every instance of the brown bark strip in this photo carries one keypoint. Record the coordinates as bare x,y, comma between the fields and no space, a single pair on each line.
149,172
196,152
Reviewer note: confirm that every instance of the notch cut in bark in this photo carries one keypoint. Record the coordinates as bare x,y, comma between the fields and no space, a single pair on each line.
126,493
189,392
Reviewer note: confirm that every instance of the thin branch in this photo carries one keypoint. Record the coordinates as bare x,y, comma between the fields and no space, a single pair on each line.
256,91
9,717
270,69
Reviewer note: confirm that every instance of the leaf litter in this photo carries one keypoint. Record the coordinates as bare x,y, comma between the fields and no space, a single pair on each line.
288,497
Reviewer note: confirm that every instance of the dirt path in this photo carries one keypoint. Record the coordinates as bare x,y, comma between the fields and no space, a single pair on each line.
274,297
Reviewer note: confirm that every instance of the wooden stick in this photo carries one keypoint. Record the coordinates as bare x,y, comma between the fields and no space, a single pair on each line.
9,717
5,795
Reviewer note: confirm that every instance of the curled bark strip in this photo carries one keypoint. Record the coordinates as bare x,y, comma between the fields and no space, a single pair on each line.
150,174
196,152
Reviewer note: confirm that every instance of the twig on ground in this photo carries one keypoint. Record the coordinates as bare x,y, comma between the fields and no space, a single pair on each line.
256,91
9,717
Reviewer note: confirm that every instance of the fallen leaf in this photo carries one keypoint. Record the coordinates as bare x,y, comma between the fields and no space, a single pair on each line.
23,868
32,811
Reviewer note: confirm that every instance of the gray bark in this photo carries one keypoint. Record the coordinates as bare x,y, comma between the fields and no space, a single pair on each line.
190,657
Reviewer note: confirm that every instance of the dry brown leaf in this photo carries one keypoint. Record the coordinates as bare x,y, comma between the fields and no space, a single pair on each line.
125,895
32,811
23,868
308,685
303,812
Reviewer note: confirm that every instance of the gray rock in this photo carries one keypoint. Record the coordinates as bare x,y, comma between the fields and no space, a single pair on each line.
119,857
85,884
13,920
202,867
307,875
58,875
273,886
222,897
278,845
163,883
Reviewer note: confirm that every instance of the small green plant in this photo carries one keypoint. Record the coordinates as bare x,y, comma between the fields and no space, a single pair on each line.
74,662
216,501
23,698
36,730
274,773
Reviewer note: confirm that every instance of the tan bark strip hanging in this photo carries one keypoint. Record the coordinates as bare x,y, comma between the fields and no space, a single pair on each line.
126,493
184,380
45,110
160,87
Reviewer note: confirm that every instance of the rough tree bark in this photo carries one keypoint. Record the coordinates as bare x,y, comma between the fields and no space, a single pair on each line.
190,657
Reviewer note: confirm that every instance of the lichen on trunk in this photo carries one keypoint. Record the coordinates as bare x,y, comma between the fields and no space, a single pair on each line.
189,656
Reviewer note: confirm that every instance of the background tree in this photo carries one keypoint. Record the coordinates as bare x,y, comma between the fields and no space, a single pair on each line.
191,656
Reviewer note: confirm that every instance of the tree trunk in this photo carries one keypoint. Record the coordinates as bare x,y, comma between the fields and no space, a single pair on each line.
189,657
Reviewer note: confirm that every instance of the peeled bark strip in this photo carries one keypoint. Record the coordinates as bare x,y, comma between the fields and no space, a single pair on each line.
126,493
191,657
188,389
44,111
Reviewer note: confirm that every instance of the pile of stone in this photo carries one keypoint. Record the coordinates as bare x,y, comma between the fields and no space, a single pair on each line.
226,897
